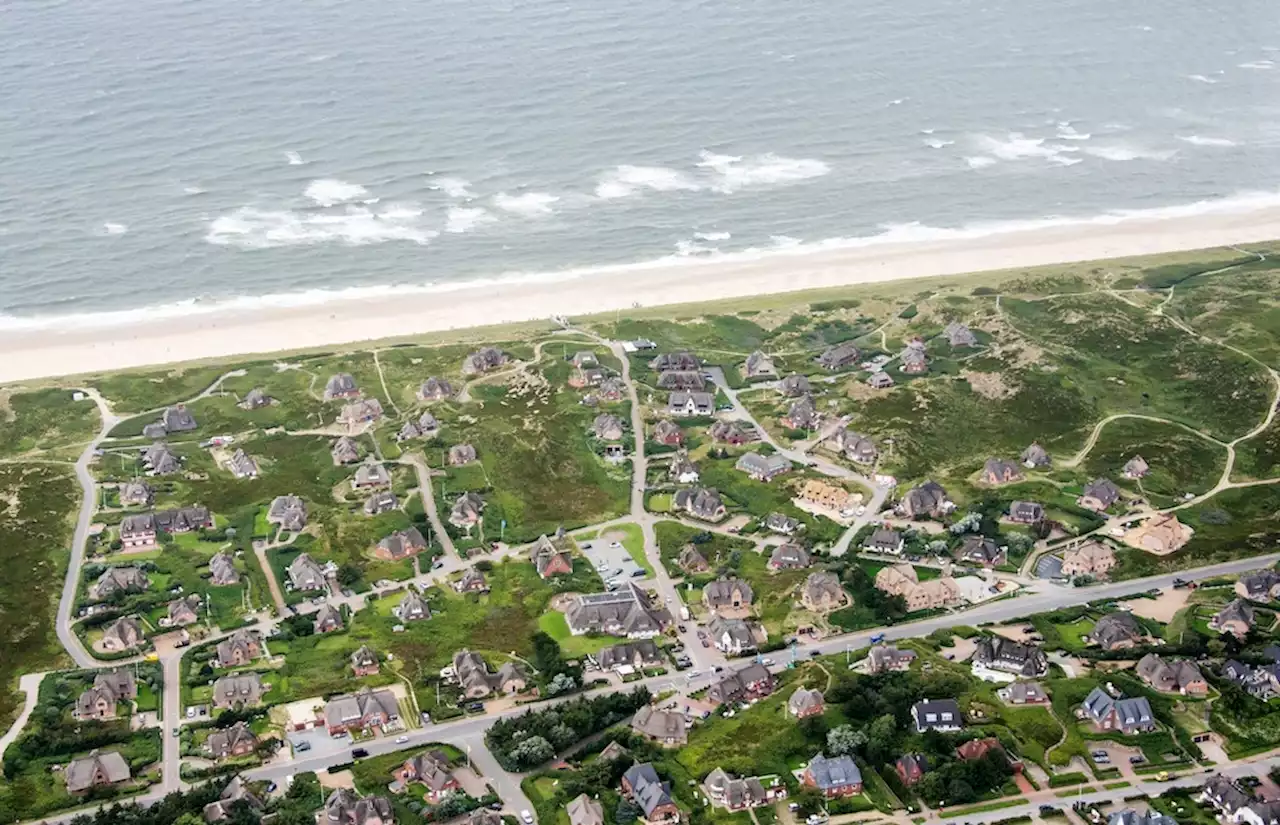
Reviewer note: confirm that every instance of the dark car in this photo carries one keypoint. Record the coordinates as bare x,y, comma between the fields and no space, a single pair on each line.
359,753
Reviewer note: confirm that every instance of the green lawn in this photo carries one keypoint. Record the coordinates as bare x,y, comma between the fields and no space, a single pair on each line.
554,625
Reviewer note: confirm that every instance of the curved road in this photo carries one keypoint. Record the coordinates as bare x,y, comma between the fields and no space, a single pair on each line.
88,508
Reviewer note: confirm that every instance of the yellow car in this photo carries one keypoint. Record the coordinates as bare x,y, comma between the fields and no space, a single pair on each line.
1163,776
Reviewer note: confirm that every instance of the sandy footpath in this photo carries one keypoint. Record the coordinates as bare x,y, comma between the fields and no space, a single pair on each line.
70,350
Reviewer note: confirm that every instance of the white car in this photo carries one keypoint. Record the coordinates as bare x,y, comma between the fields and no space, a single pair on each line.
526,817
400,740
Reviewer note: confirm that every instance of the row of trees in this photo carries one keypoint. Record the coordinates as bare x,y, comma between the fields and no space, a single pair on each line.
524,742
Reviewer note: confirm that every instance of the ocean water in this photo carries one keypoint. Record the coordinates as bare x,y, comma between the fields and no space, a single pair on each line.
184,153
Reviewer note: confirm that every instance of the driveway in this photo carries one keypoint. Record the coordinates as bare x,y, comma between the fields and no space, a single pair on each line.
608,559
322,744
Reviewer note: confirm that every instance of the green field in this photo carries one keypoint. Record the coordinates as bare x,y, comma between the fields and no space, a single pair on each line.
35,537
1181,462
44,420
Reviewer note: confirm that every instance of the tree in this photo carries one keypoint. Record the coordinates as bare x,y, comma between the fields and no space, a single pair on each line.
626,813
562,683
959,791
531,752
845,739
881,738
348,575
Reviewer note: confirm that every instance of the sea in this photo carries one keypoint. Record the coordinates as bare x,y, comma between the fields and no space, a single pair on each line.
170,156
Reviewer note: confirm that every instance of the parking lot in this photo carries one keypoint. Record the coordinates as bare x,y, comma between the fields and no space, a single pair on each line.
608,557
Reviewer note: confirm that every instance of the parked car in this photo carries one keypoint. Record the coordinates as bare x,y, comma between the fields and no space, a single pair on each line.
304,745
400,740
526,817
359,753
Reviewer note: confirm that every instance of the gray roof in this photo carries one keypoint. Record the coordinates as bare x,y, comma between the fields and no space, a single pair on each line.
221,743
1028,511
735,686
583,810
789,556
681,380
837,772
339,385
838,356
98,768
413,606
178,419
644,651
794,384
1168,676
925,499
1115,628
884,538
822,586
763,465
255,398
290,512
462,454
660,724
675,361
124,579
136,492
802,413
161,459
383,501
1036,456
1237,611
723,591
1133,712
699,502
327,616
624,612
306,574
1002,469
731,635
343,807
702,401
345,451
1148,817
959,335
403,543
435,388
999,653
945,712
243,688
805,700
371,474
1103,490
125,631
980,549
348,709
650,792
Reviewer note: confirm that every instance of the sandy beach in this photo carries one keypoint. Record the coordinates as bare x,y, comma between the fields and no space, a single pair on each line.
73,349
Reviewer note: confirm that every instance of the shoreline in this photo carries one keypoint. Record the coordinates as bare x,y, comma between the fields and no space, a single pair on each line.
230,331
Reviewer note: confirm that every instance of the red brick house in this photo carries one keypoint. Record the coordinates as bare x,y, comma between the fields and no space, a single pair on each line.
979,748
911,768
551,560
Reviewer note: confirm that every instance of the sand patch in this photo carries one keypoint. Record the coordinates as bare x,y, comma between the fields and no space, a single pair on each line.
337,779
1017,634
961,650
988,384
1163,607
